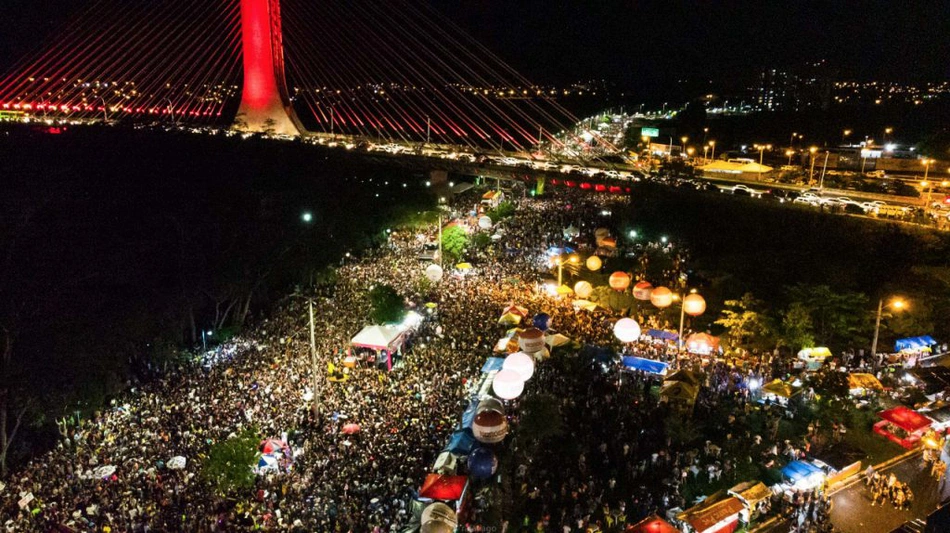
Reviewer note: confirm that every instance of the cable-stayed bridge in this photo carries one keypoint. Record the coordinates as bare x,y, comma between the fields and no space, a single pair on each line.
393,71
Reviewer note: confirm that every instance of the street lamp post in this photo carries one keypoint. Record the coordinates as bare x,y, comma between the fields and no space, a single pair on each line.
925,183
811,173
705,150
712,145
790,153
896,304
204,341
560,268
844,135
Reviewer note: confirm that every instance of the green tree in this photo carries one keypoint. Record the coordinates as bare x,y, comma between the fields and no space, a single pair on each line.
797,329
228,466
454,242
746,325
503,211
841,319
387,305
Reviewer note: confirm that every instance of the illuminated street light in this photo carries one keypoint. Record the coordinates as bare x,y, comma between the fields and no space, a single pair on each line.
307,216
898,305
789,153
712,144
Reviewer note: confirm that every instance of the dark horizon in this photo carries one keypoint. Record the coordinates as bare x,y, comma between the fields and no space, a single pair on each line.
648,47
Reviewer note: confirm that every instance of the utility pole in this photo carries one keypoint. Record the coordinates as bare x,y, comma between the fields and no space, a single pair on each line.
440,237
821,182
313,361
331,121
877,326
428,128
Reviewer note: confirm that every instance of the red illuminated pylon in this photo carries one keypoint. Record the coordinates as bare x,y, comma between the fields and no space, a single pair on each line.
265,101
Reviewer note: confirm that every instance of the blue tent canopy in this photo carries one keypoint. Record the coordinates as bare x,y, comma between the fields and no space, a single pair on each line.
660,334
461,442
469,415
798,470
914,343
493,363
646,365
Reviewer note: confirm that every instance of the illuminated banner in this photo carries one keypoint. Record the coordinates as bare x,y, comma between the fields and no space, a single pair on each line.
650,132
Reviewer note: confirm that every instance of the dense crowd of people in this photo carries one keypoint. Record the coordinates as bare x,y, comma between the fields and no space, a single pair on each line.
625,456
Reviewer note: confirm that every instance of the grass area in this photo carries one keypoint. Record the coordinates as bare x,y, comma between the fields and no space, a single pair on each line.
878,448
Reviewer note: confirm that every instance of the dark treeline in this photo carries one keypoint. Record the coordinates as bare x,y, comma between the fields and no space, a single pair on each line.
119,247
784,254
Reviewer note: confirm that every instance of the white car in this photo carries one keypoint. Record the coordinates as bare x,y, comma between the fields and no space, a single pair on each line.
744,190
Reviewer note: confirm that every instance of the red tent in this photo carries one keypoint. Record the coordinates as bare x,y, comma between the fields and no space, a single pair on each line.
652,524
906,419
439,487
902,425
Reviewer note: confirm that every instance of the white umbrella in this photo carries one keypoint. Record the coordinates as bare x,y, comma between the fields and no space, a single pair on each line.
104,471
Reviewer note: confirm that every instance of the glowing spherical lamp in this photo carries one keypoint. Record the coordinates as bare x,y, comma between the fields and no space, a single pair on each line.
661,297
642,290
433,273
521,363
619,281
490,427
583,289
507,384
594,263
531,340
485,222
627,330
694,305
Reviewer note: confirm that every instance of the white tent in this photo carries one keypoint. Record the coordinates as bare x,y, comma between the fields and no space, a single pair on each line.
378,337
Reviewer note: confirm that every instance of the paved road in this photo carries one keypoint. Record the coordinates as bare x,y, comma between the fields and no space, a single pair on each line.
852,511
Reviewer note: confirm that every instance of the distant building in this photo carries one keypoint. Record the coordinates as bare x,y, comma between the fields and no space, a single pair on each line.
808,86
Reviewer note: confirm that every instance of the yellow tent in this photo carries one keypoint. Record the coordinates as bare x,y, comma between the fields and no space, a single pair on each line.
780,388
864,381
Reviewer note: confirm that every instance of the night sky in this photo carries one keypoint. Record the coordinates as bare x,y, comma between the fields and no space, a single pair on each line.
636,43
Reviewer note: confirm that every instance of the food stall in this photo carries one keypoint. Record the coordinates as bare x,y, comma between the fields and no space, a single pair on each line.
645,365
778,391
813,358
652,524
702,344
719,513
755,495
860,384
902,425
802,475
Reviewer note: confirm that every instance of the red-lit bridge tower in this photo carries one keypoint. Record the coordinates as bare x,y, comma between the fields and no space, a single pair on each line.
265,101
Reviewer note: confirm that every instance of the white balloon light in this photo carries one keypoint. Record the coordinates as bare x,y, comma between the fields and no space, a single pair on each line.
433,273
583,289
485,222
521,363
507,384
627,330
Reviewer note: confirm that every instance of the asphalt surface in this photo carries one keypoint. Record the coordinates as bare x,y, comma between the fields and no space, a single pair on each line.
852,511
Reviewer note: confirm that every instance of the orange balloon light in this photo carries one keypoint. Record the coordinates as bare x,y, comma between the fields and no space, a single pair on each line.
694,305
642,290
661,297
619,281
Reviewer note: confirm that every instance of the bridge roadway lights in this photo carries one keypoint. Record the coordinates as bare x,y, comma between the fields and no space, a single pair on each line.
265,101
